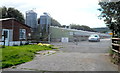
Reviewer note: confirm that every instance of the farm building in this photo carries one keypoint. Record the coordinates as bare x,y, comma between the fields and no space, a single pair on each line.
15,33
68,35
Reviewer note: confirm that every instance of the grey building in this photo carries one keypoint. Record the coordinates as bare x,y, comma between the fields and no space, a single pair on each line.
45,22
58,34
31,19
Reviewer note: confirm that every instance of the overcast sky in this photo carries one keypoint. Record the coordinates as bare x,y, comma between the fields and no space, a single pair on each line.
83,12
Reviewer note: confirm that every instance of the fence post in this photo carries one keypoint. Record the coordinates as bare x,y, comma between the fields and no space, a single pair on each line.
116,50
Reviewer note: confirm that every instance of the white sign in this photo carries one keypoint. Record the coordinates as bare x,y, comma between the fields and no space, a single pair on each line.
64,39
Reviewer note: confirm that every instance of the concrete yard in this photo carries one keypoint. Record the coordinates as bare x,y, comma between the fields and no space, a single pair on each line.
86,56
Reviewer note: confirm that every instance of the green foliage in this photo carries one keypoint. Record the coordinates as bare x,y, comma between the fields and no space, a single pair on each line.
81,27
13,55
55,22
2,46
110,13
102,29
12,13
0,57
111,52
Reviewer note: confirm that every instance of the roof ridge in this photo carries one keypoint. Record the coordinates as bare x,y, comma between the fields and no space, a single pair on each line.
6,19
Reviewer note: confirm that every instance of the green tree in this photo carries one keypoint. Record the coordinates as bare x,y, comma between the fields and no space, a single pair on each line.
55,22
110,13
12,13
38,20
81,27
4,12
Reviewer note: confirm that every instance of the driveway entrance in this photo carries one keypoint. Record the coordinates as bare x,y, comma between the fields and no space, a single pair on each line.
86,56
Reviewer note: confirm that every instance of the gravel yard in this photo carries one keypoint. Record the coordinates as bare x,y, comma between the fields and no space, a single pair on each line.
86,56
86,47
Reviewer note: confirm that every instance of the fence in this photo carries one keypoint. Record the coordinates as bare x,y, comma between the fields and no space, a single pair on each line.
116,50
116,45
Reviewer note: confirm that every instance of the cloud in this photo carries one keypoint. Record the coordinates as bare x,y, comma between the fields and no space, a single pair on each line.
81,12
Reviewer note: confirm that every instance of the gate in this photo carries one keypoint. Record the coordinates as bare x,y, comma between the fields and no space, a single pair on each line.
116,50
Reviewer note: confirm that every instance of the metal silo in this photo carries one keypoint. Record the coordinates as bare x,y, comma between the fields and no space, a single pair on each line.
45,21
31,19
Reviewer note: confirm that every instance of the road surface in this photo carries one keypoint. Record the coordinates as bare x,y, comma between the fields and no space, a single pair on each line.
86,56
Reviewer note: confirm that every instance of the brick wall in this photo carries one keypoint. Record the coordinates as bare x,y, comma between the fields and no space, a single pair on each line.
15,25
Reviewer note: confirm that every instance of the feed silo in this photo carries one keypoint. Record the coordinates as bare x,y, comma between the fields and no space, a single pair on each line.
45,21
31,19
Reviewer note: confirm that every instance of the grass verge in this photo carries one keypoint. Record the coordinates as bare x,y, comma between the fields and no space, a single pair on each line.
113,56
14,55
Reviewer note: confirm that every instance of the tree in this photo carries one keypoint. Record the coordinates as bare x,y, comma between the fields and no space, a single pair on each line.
64,26
110,13
55,22
81,27
38,20
12,13
4,12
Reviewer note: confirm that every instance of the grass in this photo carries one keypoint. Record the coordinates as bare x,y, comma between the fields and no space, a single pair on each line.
113,56
111,52
0,57
14,55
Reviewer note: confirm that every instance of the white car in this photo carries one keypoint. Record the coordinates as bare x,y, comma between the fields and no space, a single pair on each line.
94,37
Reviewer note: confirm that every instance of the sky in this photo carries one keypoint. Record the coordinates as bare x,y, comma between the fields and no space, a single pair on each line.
82,12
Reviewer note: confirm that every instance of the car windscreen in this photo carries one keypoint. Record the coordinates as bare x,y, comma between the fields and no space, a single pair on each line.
94,36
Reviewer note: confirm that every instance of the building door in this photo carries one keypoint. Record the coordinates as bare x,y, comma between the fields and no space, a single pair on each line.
5,32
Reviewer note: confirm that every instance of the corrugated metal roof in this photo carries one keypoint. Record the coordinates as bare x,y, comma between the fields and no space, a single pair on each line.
81,31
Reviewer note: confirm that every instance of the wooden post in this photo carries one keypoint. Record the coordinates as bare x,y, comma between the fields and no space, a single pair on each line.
119,60
119,67
116,49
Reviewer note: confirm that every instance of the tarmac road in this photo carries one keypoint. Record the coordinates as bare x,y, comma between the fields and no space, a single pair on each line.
86,56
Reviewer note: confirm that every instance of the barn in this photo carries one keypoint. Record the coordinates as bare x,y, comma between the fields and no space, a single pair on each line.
58,34
13,32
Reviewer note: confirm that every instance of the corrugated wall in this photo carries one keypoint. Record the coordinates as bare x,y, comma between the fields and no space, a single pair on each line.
57,33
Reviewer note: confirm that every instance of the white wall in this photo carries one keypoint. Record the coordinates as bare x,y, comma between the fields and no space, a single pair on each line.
12,43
